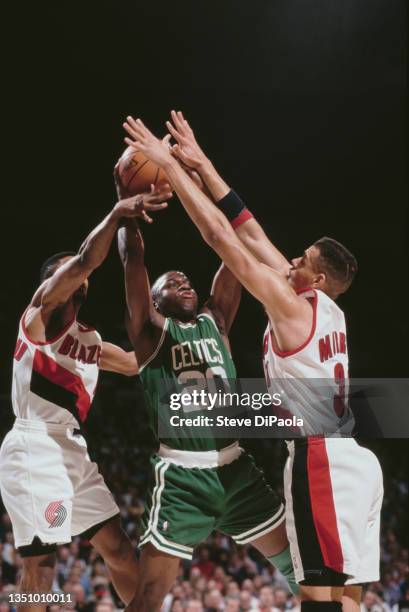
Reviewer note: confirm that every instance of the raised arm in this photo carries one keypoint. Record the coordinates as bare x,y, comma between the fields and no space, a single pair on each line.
57,290
144,324
247,228
290,315
224,299
69,277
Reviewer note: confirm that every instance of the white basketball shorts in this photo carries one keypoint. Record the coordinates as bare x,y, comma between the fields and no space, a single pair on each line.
49,485
334,491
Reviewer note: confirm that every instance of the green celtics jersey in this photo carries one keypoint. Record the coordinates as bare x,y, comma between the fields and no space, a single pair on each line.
189,356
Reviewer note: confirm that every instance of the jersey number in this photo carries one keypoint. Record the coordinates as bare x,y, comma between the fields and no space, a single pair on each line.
212,381
339,398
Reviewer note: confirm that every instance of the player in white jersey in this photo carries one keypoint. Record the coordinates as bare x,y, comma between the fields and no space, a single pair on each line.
334,540
50,488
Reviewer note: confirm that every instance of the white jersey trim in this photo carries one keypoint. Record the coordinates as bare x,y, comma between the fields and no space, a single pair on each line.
46,342
284,354
156,351
211,318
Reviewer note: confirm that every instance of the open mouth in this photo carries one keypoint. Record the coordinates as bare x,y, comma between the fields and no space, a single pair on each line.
186,293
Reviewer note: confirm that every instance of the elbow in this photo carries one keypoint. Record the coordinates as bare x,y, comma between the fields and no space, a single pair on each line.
131,372
216,236
87,262
131,368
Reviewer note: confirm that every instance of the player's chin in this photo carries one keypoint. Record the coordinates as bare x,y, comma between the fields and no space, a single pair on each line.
188,308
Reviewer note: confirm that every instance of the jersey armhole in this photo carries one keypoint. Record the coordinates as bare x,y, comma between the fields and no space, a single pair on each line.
285,354
46,342
211,318
156,351
224,337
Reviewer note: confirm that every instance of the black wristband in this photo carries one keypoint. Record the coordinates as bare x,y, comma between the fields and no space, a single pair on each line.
231,205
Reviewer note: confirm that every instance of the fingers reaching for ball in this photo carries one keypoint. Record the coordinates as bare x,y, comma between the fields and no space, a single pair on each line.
142,139
137,206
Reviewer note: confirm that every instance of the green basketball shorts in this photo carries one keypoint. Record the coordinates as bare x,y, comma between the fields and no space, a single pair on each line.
184,505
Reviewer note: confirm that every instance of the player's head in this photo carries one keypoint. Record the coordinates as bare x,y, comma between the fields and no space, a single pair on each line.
174,296
51,265
326,265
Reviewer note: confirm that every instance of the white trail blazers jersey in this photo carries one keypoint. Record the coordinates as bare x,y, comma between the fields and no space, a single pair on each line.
55,381
322,407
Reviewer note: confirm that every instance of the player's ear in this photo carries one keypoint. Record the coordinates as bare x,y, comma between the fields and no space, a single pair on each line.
155,305
319,280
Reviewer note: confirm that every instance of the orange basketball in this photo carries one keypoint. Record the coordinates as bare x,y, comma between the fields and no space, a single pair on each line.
137,173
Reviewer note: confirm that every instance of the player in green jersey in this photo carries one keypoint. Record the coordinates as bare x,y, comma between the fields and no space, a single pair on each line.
198,484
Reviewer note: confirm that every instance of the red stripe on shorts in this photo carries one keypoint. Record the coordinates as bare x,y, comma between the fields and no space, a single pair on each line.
322,504
62,377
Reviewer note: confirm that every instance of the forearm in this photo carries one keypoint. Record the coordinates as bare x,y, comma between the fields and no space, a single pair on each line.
217,187
115,359
251,233
254,238
130,242
96,246
208,219
137,287
220,236
247,229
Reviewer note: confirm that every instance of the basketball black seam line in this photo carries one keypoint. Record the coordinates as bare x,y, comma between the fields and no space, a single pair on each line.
135,173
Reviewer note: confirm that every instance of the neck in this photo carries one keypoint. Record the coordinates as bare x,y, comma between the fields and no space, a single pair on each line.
69,310
184,321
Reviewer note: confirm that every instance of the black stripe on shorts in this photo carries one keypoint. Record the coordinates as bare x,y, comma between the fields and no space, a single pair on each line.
308,543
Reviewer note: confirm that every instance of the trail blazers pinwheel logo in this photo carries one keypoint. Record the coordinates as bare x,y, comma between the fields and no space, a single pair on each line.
56,514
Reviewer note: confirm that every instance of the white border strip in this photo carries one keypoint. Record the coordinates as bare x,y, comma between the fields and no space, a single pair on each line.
165,549
154,494
164,541
275,520
156,351
211,318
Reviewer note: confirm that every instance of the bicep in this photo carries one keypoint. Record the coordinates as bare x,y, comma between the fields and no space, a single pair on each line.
225,296
138,296
58,289
264,283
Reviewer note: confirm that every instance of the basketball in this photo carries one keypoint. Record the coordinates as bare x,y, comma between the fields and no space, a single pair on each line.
137,173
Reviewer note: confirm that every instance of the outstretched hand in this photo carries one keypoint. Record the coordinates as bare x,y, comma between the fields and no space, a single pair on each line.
138,206
187,149
142,139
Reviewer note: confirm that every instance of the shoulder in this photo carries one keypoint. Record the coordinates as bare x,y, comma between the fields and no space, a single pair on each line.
211,313
84,327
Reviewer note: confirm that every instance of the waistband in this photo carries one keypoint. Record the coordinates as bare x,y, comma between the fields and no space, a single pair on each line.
202,460
342,441
29,425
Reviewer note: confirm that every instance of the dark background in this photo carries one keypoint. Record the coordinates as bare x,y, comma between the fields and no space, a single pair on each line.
300,105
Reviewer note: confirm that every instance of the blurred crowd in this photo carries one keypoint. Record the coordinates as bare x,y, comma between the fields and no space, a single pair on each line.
222,576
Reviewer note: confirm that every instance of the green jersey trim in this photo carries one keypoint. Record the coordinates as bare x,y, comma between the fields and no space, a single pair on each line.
151,532
156,351
212,319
